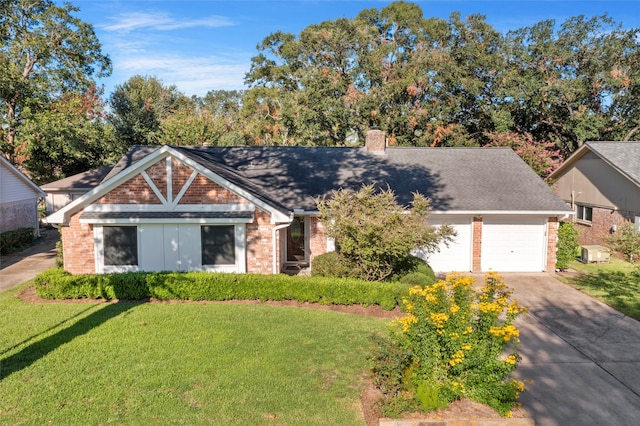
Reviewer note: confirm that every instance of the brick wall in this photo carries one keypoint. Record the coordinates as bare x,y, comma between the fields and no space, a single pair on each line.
78,247
134,191
552,243
317,238
476,265
600,227
179,175
260,244
158,175
205,191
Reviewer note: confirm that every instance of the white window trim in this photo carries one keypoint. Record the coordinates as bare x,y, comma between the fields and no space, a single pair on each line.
101,268
239,267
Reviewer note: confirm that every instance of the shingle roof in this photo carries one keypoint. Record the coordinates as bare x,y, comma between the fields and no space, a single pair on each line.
82,181
456,179
623,156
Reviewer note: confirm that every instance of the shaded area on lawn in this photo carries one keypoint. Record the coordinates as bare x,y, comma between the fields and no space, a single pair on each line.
620,290
39,349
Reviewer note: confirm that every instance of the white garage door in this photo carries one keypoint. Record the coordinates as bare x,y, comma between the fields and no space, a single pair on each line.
513,244
456,257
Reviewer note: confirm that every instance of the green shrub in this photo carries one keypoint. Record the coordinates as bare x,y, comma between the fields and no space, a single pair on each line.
331,264
626,241
568,245
376,233
417,278
12,241
459,342
58,284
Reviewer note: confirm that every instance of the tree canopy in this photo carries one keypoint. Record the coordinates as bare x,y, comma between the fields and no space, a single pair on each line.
435,82
425,81
45,53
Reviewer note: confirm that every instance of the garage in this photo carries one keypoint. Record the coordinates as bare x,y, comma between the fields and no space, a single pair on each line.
513,244
457,256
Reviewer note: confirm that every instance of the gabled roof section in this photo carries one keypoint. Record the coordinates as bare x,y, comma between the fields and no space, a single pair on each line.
79,182
623,157
137,160
20,176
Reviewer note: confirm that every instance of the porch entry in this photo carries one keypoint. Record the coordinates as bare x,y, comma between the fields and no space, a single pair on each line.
298,241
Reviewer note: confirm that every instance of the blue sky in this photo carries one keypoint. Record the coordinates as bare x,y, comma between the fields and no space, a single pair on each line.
207,45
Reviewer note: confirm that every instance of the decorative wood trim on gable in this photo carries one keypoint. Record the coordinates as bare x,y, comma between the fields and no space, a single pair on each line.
164,178
158,184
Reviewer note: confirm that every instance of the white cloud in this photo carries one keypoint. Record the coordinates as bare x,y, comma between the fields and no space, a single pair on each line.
160,21
192,76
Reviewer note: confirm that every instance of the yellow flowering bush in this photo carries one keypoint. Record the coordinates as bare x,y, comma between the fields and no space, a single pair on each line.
456,341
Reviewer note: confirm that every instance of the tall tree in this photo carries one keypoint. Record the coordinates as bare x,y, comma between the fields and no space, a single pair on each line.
45,52
574,83
69,137
137,108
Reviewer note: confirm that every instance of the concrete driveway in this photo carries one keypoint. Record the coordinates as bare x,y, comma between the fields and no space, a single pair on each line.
19,267
582,356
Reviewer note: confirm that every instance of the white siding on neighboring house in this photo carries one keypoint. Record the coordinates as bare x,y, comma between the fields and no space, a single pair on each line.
457,256
18,199
513,244
13,188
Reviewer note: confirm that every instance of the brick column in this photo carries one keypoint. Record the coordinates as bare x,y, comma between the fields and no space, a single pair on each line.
78,247
477,244
552,243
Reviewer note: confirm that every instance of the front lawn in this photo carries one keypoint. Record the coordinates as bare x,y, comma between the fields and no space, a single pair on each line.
616,284
179,363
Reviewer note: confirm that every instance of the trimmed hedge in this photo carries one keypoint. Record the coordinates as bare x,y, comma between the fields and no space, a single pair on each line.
58,284
12,241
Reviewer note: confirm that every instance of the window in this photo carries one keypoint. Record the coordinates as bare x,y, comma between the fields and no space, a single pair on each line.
218,245
120,245
584,213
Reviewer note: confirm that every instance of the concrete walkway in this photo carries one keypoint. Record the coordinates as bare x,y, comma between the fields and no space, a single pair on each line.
582,356
19,267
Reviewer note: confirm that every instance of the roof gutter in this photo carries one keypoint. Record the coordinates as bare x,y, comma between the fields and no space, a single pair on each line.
502,212
274,250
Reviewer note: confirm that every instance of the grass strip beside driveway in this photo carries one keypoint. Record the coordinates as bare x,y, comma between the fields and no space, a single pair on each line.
186,363
617,284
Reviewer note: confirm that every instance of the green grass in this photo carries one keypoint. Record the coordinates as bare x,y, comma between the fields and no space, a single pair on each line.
180,363
615,265
616,283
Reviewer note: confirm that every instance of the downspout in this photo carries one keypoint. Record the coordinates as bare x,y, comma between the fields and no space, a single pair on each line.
275,246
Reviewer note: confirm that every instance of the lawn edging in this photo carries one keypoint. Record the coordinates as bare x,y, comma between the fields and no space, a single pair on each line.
458,422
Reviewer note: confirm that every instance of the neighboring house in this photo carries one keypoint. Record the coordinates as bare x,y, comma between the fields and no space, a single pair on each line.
253,209
18,199
63,191
601,182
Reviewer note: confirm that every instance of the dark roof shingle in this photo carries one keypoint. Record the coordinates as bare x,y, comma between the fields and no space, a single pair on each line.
455,179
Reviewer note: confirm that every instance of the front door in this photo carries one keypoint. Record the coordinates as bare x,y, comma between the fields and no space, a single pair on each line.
297,241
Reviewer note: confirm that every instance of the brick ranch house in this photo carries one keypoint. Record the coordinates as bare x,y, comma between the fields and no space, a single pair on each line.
601,182
253,209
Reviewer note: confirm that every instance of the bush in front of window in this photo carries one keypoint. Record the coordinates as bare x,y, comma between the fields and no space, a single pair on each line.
58,284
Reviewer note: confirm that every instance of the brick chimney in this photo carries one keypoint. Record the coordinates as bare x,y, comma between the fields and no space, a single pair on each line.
375,140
